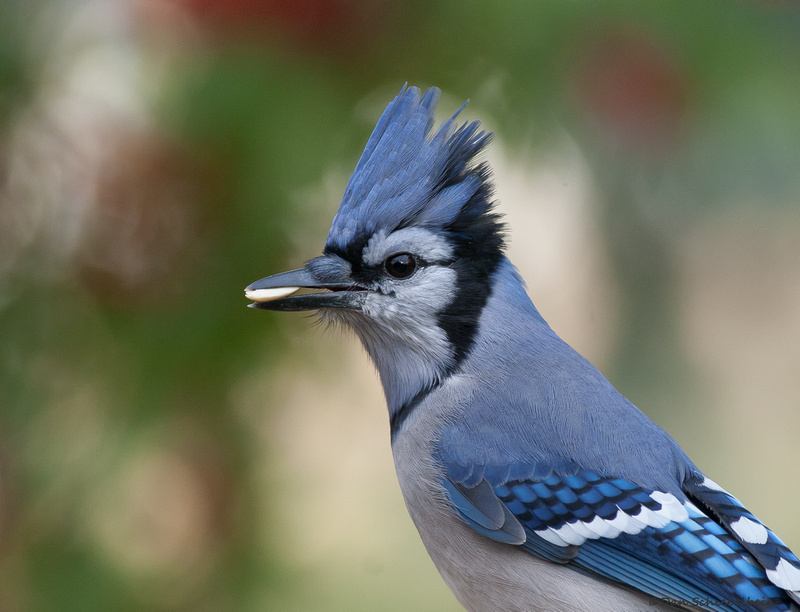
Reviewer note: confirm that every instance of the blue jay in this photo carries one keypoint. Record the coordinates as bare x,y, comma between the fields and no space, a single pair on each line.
534,484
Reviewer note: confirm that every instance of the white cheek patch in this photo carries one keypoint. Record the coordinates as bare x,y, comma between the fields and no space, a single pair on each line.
429,246
398,322
409,317
430,291
411,307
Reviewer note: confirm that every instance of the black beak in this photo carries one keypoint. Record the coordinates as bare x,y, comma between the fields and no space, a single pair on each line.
275,292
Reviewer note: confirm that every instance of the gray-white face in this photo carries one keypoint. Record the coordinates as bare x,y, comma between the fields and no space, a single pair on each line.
414,295
410,282
392,293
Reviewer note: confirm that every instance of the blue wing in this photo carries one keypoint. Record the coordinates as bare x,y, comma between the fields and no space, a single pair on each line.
666,546
781,565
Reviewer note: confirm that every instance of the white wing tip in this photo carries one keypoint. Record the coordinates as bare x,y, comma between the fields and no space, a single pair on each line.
710,484
750,531
785,576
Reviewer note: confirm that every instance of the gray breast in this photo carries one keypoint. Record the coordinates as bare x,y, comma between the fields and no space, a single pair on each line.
487,576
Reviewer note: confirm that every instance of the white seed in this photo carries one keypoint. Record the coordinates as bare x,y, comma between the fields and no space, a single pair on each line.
266,295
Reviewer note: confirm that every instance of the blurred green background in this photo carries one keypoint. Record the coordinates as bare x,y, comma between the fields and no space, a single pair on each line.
162,447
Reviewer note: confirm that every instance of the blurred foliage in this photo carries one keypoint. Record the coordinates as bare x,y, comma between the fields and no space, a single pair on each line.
129,225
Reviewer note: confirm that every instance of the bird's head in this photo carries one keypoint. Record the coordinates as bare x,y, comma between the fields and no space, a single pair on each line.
410,255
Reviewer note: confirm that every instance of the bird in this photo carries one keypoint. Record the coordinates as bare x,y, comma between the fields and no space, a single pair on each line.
535,485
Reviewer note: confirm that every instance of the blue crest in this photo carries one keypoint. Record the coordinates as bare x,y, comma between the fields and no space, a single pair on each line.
406,176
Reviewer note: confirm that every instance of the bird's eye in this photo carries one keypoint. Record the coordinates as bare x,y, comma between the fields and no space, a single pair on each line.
401,265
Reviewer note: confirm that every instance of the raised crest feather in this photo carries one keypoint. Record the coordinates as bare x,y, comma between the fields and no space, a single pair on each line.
411,175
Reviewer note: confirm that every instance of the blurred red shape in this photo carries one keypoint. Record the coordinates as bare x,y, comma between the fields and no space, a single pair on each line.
632,91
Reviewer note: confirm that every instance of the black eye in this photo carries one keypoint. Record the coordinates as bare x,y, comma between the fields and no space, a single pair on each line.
401,265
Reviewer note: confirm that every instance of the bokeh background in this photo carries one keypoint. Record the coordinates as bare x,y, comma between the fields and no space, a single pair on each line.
164,448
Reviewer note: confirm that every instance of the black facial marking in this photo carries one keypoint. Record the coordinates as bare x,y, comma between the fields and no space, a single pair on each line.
477,237
351,252
397,418
362,274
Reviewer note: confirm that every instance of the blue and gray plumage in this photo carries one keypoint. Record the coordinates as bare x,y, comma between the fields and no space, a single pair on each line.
533,482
